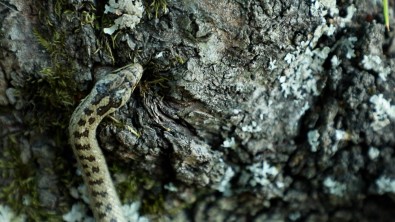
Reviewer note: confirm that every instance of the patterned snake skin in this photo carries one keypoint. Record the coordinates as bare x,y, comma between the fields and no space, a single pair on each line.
108,95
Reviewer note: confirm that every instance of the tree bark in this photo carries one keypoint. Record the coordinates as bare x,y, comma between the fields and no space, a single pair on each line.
247,110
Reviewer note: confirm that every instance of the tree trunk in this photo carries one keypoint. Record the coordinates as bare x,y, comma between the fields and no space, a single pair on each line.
247,110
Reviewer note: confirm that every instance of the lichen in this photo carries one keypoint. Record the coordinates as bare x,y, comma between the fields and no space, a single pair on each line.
312,138
306,62
374,63
382,112
6,214
385,185
130,13
334,187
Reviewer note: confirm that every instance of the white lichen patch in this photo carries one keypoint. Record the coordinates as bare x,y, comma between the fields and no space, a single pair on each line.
272,64
224,186
335,61
382,112
373,153
349,45
334,187
262,173
131,212
374,63
7,214
312,137
229,143
252,128
385,185
78,213
300,77
324,7
130,12
171,187
305,63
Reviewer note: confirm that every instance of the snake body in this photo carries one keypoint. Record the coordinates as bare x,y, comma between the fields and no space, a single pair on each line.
108,94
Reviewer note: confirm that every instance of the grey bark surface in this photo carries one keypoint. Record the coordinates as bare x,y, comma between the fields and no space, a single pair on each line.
247,111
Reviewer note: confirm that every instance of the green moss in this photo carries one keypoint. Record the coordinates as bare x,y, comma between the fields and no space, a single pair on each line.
155,6
54,87
132,185
153,205
49,97
140,186
19,185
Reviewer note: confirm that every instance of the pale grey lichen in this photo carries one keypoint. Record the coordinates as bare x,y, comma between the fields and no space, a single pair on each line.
252,128
130,13
349,45
7,214
312,138
335,187
171,187
340,135
373,153
272,64
385,185
382,112
335,61
324,7
305,63
224,186
78,213
262,173
299,77
229,143
131,212
374,63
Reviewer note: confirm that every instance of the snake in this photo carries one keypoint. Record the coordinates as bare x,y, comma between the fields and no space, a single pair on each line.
107,95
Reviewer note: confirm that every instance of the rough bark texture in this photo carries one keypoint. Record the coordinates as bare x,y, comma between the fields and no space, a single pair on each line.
247,111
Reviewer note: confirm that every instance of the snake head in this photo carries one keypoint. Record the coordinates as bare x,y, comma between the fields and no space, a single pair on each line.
115,89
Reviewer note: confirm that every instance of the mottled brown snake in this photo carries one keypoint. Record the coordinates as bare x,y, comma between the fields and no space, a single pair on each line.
108,95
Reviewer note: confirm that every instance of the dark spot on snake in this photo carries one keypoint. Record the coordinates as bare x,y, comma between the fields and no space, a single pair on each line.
88,111
83,134
103,109
101,215
95,169
98,204
85,166
88,174
81,122
82,147
113,220
115,102
108,208
95,182
98,193
98,98
91,120
90,158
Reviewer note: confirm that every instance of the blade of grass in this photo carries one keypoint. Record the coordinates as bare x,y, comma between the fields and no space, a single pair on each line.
386,16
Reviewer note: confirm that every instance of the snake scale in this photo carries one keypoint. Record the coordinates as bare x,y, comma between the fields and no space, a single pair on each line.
107,95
